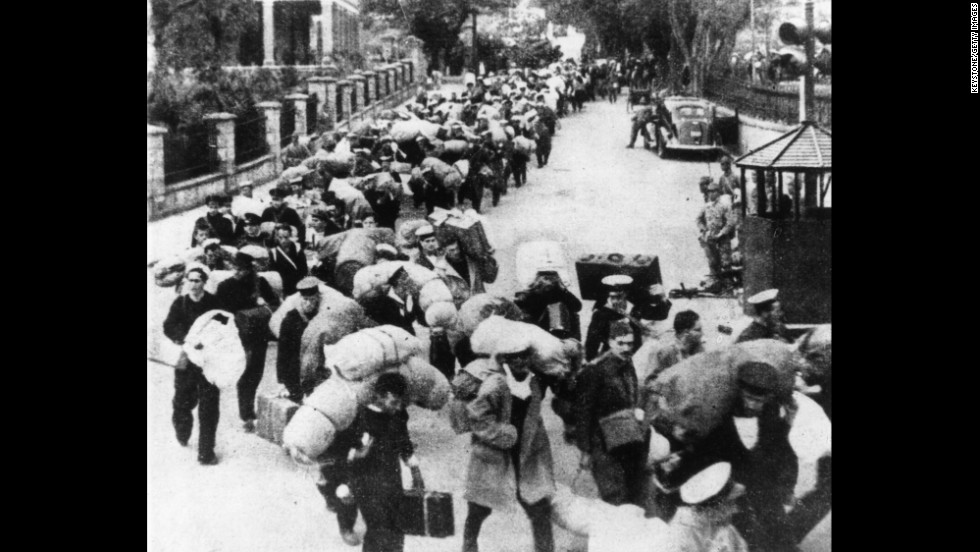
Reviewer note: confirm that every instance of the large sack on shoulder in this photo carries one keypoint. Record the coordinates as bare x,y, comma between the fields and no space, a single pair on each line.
338,163
406,131
456,146
700,392
328,296
369,351
427,387
525,145
213,344
308,434
481,306
338,317
551,356
169,272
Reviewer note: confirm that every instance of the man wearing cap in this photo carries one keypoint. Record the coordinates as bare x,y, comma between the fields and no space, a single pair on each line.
614,307
656,356
728,181
704,522
280,213
290,337
295,153
245,291
767,322
286,259
245,202
250,232
429,255
609,430
191,388
716,224
510,451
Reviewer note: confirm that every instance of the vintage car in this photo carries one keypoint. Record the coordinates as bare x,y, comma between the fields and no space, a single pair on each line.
686,123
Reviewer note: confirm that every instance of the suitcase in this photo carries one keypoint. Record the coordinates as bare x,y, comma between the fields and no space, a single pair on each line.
425,513
592,268
273,415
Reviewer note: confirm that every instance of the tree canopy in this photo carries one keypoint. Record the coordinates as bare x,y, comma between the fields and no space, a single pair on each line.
200,34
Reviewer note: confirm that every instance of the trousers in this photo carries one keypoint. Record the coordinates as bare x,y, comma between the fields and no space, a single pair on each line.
520,169
332,475
719,254
251,378
192,390
539,513
637,128
543,153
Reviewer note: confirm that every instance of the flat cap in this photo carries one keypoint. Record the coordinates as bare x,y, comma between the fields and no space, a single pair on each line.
308,286
617,282
758,378
707,483
251,219
763,297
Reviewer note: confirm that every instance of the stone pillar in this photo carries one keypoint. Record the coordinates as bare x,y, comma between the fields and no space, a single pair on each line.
222,141
330,102
384,82
155,187
397,76
345,99
326,26
318,86
268,34
272,112
299,102
409,74
358,84
372,86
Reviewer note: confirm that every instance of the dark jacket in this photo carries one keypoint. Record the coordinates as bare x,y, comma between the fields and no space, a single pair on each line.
287,357
598,333
603,387
183,312
535,304
223,228
261,240
379,473
235,295
290,264
286,215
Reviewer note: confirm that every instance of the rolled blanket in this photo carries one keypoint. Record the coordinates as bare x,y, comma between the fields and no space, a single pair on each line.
479,307
338,317
169,272
551,356
369,351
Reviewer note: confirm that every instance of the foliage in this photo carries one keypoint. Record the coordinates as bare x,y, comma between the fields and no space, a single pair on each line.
437,23
715,23
200,34
181,99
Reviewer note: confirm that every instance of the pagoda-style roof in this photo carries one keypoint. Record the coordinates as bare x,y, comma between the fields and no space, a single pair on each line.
806,147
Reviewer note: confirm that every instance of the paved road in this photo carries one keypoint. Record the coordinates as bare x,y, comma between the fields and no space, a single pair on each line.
595,196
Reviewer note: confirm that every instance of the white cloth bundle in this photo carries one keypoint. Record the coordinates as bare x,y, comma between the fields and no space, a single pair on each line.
369,351
525,145
496,333
213,344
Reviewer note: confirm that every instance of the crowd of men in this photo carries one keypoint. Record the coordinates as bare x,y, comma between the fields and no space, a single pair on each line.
612,405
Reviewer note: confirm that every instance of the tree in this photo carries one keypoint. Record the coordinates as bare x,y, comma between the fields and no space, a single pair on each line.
437,23
703,33
200,34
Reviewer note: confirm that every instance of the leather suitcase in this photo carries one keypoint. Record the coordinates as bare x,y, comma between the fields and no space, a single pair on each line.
592,268
273,415
425,513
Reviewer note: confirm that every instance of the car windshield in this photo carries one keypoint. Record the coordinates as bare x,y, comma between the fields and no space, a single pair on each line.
690,111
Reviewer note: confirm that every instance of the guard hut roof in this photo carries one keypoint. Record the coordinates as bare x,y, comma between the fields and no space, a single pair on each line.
805,148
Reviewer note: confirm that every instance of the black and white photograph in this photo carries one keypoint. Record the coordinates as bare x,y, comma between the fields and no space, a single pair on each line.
488,275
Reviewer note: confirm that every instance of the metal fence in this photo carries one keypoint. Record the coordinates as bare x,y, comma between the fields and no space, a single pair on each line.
772,105
250,141
187,153
287,123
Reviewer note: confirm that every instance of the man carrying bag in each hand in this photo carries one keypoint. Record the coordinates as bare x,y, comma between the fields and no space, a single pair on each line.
610,434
